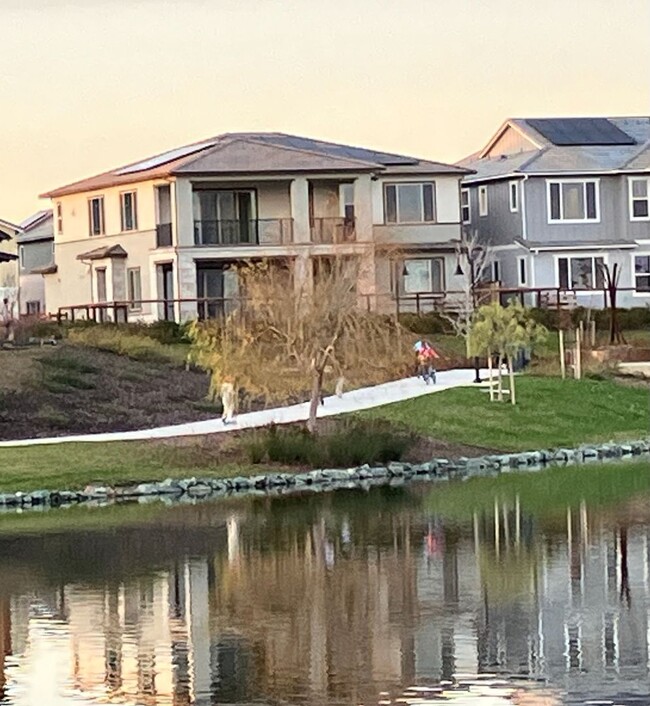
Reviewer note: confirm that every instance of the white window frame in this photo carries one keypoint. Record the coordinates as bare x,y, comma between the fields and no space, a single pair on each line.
59,218
421,184
522,281
102,217
513,190
579,256
135,304
568,221
465,194
633,256
401,288
632,199
134,194
483,205
21,256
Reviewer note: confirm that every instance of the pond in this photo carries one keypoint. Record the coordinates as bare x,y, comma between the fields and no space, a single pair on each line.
351,598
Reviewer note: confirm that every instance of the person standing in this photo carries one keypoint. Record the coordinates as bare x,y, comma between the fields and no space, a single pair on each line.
228,400
7,316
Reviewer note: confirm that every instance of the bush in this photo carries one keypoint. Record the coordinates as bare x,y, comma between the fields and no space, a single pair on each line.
349,445
115,340
430,323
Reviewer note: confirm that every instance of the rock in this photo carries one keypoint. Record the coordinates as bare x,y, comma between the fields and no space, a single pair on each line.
199,489
98,491
40,497
169,487
239,483
147,489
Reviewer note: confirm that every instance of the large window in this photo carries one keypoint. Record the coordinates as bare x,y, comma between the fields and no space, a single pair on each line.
571,201
465,206
422,276
581,272
639,199
135,288
482,200
642,273
224,217
129,211
410,203
96,215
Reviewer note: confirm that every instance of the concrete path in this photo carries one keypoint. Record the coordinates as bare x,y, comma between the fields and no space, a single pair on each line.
352,401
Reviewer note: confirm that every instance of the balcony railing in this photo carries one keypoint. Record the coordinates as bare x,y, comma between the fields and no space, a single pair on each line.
325,231
163,235
226,233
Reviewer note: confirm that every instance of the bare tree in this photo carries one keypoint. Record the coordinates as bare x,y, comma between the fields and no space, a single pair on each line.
284,339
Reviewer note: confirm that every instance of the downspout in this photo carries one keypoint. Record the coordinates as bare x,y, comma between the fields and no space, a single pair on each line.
524,229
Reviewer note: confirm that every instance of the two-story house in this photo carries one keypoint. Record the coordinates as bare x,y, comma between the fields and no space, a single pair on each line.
35,258
8,256
164,233
558,198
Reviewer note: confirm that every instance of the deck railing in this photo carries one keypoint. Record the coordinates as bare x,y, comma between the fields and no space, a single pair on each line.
234,233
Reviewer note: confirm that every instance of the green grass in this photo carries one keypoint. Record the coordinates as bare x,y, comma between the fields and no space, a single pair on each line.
549,413
75,465
545,494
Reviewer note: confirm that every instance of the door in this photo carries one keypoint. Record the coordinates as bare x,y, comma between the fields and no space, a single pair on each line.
100,274
224,217
217,286
165,278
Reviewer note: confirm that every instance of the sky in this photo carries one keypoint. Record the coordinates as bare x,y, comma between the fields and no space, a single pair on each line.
88,85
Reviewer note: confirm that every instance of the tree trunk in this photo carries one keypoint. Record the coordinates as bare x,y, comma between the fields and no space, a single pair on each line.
490,376
314,402
511,372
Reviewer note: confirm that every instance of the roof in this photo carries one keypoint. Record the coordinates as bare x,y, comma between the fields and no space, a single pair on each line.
257,152
567,145
45,270
112,251
39,226
8,230
7,257
577,245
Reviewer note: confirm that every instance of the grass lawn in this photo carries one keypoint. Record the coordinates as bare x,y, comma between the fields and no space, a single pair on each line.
550,412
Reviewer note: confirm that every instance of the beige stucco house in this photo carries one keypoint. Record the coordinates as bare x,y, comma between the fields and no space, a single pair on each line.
160,236
8,263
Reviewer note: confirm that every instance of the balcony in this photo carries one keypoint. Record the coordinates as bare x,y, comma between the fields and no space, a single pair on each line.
163,235
333,231
232,233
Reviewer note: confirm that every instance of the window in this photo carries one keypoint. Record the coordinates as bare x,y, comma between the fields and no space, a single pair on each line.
522,267
581,272
134,288
496,271
346,199
410,203
642,273
33,308
482,201
513,193
59,218
639,199
21,256
96,215
465,206
573,201
129,211
423,276
101,284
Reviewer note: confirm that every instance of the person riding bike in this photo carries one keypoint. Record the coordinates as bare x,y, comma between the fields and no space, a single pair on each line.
426,355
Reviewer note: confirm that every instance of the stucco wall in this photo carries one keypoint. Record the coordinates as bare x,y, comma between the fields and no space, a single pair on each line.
447,193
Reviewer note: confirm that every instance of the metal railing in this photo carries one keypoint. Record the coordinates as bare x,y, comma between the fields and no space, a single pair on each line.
163,235
257,231
336,231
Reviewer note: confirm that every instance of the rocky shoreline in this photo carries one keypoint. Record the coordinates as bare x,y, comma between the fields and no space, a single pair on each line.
396,473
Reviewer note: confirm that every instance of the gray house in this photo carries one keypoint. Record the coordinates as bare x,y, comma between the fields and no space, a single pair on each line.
557,198
35,258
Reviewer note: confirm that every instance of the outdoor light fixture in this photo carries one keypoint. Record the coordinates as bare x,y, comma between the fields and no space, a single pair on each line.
405,271
459,270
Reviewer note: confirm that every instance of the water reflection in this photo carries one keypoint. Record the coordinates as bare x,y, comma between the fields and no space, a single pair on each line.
347,599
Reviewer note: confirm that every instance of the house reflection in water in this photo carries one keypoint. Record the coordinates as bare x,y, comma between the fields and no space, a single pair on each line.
342,607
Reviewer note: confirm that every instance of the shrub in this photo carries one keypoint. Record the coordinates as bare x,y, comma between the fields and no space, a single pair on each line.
348,445
429,323
115,340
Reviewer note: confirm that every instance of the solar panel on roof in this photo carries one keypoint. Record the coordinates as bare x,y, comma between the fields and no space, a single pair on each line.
164,158
581,131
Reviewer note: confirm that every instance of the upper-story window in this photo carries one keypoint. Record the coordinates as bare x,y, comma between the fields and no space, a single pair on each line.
513,195
346,200
639,198
482,200
59,218
410,203
96,215
465,206
573,201
642,273
129,211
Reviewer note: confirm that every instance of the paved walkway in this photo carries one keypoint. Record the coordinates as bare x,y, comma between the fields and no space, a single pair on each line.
352,401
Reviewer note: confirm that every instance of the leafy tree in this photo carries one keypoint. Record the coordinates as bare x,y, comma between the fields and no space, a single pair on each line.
283,339
503,332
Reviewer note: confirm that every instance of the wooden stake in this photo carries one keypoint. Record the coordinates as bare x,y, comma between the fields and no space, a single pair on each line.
490,378
593,334
578,354
562,355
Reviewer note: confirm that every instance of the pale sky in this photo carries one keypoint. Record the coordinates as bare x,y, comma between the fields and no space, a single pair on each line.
87,85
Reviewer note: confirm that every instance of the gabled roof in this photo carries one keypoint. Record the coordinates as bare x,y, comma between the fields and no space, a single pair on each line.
112,251
8,230
7,257
257,152
39,226
566,145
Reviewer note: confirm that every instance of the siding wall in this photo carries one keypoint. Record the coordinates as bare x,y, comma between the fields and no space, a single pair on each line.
500,226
